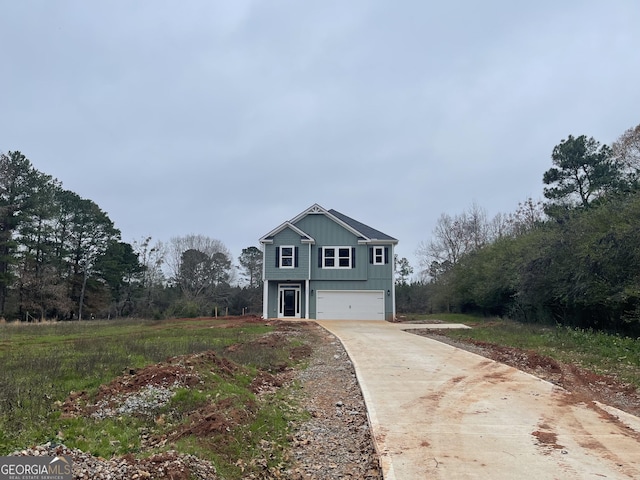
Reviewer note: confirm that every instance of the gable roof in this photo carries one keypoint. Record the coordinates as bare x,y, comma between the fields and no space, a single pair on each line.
304,237
365,233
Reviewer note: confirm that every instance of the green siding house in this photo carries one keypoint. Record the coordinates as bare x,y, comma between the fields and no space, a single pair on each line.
322,264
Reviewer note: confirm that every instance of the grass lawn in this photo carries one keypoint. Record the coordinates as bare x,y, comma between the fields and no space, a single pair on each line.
43,363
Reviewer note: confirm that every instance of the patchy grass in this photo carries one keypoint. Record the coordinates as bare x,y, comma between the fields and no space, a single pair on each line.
441,318
220,419
599,352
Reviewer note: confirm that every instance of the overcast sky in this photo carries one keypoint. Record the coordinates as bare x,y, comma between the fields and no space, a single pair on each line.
227,118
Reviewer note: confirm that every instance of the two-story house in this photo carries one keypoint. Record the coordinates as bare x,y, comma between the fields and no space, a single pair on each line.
322,264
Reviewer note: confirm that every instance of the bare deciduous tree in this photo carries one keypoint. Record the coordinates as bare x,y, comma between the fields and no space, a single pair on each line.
206,257
178,245
626,151
455,236
528,215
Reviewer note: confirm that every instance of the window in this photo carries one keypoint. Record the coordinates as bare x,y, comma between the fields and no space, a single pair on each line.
329,257
336,257
286,257
344,257
378,255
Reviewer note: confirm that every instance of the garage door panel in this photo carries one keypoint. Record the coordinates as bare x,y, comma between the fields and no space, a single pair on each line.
350,305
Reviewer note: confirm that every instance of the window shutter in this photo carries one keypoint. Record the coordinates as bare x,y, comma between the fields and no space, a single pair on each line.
370,254
353,257
386,255
319,257
295,258
277,257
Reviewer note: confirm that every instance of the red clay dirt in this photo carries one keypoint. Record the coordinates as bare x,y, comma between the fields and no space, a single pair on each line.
585,386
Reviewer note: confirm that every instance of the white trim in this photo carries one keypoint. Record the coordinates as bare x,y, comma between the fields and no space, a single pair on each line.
292,256
306,299
265,299
375,255
381,242
307,283
381,295
316,209
280,299
265,284
313,210
393,284
337,257
307,238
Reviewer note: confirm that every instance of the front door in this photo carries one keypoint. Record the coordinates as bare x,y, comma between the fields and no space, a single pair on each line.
289,301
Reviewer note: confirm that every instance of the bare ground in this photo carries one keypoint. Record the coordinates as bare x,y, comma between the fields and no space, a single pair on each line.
335,443
583,384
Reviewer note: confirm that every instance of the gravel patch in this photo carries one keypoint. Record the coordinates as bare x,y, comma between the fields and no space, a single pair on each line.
336,442
166,465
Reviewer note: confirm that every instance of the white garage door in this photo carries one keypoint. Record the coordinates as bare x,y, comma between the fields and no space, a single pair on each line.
350,305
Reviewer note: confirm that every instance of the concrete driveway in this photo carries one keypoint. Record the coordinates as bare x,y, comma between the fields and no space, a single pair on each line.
439,412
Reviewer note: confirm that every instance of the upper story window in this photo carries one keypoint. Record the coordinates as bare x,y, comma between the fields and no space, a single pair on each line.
336,257
286,257
379,255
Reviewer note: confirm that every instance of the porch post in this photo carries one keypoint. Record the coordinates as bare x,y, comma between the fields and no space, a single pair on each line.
265,299
306,299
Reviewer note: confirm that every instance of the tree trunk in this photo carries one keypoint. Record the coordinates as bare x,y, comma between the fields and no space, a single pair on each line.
82,290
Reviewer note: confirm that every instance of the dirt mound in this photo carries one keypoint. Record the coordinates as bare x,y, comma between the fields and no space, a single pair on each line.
161,375
145,390
265,382
216,364
213,418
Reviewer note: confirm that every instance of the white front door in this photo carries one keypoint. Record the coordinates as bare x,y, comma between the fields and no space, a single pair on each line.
289,301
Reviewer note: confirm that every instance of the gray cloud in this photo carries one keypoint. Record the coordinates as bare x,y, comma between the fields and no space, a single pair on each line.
227,118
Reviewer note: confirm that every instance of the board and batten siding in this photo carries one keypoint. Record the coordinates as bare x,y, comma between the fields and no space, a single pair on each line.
328,233
325,231
380,271
287,237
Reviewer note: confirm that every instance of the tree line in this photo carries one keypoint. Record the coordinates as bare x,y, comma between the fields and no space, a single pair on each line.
571,259
61,257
